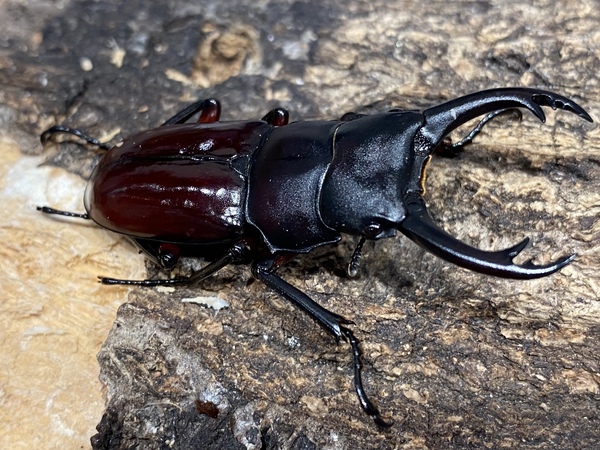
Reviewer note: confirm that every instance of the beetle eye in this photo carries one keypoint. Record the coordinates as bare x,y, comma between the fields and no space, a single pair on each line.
377,230
372,230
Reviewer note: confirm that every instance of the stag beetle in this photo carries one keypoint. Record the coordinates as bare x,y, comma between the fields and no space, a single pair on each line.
263,191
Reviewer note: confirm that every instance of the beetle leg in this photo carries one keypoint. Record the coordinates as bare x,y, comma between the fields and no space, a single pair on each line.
237,253
331,322
210,111
57,129
58,212
277,117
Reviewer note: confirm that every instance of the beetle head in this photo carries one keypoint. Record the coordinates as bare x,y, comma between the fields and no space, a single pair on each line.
365,184
440,121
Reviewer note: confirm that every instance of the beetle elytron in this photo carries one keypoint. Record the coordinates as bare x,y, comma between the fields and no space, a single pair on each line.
264,191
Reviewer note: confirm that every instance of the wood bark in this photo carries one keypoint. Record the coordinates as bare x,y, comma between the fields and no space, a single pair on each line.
457,359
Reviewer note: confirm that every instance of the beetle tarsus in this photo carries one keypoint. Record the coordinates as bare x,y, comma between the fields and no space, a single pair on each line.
365,402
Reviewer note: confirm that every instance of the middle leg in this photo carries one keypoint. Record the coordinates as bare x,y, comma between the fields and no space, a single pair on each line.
331,322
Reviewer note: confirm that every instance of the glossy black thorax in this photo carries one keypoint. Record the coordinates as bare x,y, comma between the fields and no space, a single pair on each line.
370,172
285,185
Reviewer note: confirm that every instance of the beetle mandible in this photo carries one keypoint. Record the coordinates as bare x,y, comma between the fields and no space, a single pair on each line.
261,192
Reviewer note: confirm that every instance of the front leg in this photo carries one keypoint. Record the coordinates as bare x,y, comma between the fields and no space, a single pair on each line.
264,270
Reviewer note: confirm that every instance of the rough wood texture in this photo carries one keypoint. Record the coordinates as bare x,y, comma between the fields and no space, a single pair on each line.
459,360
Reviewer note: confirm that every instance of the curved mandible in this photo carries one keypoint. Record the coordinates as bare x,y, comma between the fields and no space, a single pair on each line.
420,228
442,119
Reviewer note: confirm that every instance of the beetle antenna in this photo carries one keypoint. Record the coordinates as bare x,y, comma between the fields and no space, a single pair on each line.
354,264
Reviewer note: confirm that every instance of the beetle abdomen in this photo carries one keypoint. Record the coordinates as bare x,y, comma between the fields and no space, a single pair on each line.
176,183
